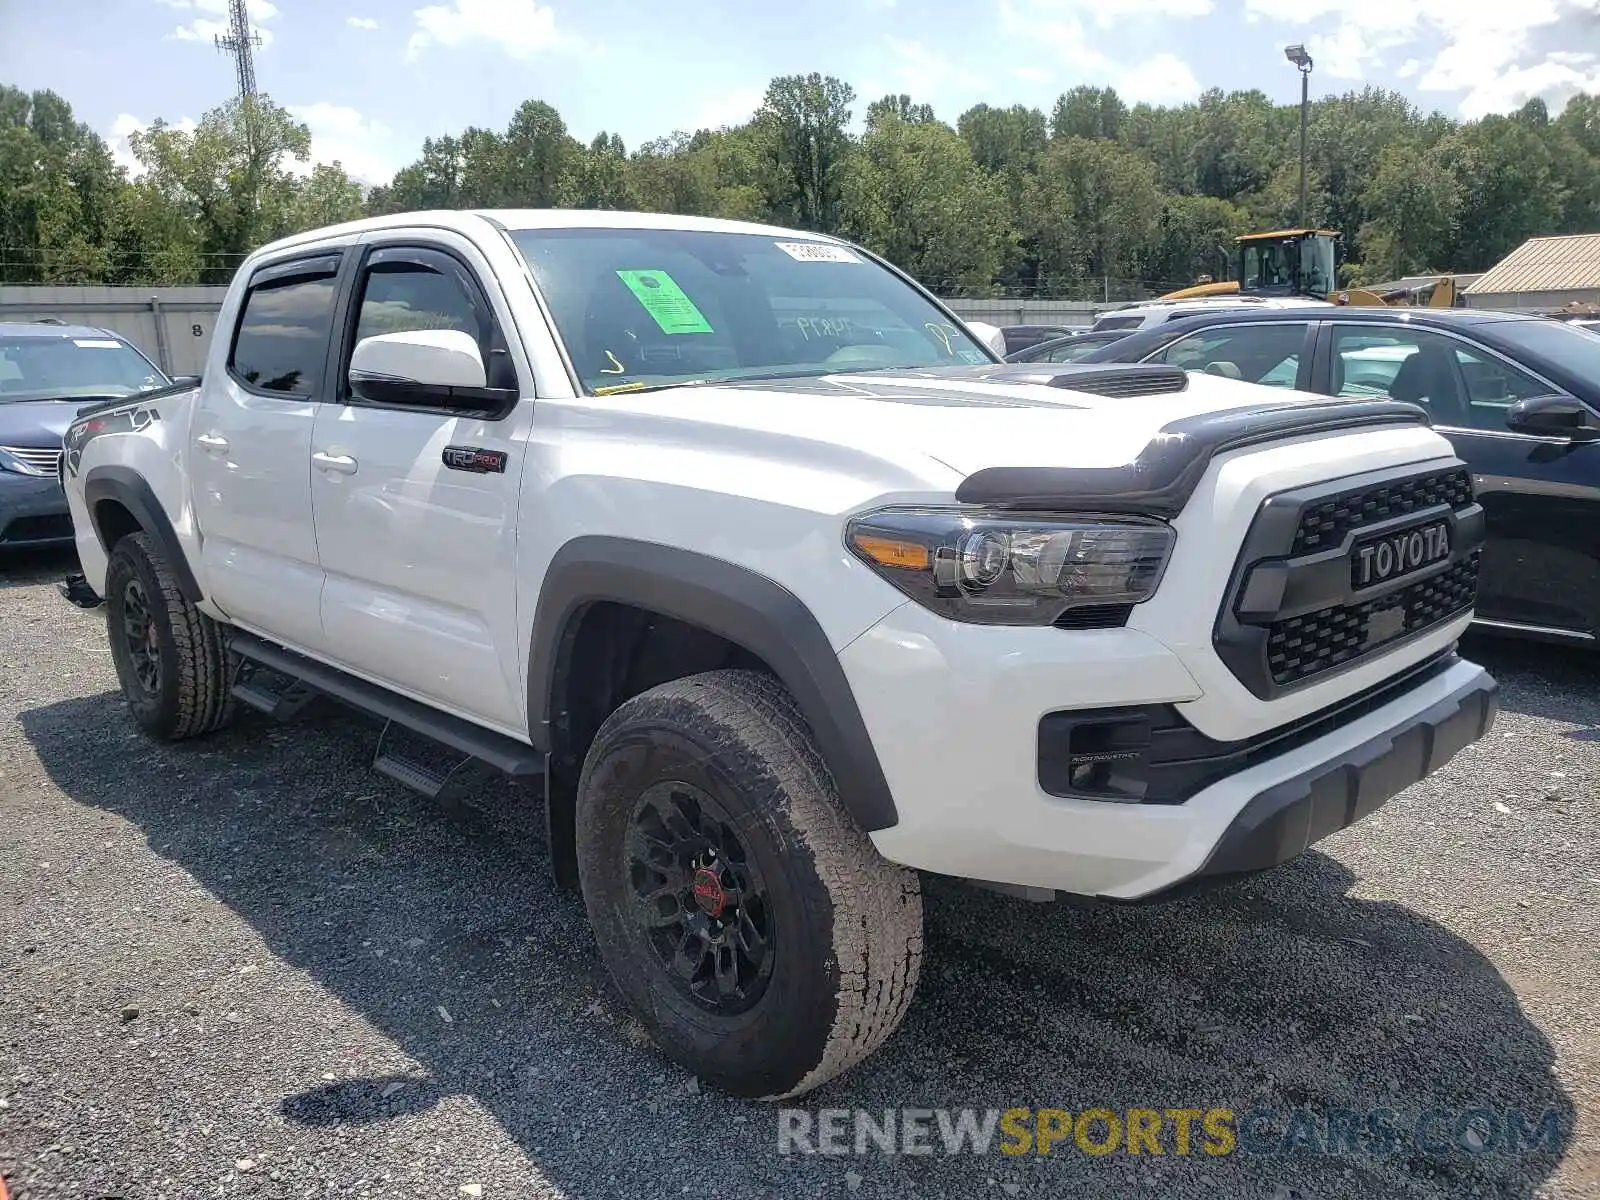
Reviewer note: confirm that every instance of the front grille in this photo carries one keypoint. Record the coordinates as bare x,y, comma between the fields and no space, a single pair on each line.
1300,647
45,462
1326,524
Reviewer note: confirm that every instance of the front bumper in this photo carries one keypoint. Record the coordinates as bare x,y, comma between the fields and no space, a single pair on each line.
1283,820
33,511
955,715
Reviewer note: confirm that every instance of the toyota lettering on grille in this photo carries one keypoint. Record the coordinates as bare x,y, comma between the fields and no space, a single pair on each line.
1399,555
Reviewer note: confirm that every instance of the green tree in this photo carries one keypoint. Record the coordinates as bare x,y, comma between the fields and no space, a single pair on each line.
1415,204
58,188
912,193
1088,112
804,119
230,176
1094,212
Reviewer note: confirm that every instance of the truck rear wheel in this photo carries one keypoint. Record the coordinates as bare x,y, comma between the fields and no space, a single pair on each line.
750,924
171,659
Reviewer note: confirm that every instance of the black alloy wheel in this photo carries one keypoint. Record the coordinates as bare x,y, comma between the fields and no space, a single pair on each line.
701,903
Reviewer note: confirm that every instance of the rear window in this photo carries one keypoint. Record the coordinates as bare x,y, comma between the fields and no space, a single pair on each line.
283,335
1118,323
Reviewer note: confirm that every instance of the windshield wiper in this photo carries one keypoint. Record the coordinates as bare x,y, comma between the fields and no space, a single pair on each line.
632,389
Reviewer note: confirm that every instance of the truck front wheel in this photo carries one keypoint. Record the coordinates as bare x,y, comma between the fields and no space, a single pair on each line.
171,659
751,926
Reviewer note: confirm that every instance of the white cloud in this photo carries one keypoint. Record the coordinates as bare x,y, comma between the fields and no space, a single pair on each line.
731,108
1344,54
924,73
1555,81
522,28
1057,27
361,22
1031,74
1106,13
1492,53
207,28
365,148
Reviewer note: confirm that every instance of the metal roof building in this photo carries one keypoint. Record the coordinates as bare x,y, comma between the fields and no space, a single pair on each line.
1544,274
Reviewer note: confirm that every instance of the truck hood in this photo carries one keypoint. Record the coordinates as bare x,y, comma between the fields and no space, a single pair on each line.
966,419
39,424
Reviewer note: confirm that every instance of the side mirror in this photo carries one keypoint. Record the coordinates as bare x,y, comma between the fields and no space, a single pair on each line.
1554,416
427,368
186,381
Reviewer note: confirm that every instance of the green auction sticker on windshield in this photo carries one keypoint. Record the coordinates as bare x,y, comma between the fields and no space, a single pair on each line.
665,301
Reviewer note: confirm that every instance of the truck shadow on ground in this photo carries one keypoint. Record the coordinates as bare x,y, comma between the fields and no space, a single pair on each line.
1279,994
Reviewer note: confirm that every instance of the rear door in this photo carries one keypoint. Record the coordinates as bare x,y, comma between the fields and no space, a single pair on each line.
249,461
419,550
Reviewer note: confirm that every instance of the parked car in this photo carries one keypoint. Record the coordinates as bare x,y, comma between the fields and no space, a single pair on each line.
48,371
1067,349
1517,395
1020,337
1143,316
784,607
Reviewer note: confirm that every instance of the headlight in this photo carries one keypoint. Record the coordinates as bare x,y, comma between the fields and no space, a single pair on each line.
998,568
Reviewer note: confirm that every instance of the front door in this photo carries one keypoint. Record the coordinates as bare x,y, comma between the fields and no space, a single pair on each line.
251,448
418,543
1540,570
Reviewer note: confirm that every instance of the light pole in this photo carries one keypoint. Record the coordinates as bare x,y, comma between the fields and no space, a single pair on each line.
1298,56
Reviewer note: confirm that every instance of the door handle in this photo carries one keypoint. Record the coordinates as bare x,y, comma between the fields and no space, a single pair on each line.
212,442
340,464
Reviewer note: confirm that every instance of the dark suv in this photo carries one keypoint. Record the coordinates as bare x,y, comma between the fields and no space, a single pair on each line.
48,372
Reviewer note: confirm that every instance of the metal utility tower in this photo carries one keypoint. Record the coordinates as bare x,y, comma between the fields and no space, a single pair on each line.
238,42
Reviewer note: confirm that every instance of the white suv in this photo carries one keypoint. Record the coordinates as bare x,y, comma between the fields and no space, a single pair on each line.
783,587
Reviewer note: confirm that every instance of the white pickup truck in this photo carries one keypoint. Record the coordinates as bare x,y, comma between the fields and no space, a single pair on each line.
785,589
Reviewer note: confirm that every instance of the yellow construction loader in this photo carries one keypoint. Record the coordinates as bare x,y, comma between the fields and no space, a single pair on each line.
1304,262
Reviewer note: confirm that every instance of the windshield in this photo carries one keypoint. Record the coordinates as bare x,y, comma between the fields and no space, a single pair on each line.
52,368
650,307
1574,351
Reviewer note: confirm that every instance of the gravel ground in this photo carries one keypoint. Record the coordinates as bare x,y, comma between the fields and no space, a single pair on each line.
250,967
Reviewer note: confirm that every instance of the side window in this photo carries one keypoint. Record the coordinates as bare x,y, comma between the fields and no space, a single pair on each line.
1493,386
402,296
408,289
284,327
1265,354
1414,365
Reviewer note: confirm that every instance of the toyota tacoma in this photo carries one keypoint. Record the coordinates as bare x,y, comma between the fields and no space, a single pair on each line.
783,588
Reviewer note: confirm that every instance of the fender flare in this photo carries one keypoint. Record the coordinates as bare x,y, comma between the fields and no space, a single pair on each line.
725,599
130,489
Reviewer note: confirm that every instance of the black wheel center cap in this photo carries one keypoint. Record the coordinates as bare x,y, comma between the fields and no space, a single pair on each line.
709,894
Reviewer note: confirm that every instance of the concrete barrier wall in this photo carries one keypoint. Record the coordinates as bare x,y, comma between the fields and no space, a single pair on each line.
174,325
171,325
1025,312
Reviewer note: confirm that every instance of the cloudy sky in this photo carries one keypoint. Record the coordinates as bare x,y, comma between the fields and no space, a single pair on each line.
372,78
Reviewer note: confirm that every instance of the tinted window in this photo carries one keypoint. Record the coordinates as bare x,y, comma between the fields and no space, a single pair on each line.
38,368
283,335
652,307
1265,354
402,296
1459,385
1119,322
1073,353
1575,351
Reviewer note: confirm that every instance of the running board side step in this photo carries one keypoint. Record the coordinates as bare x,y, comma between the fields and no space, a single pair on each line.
469,741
